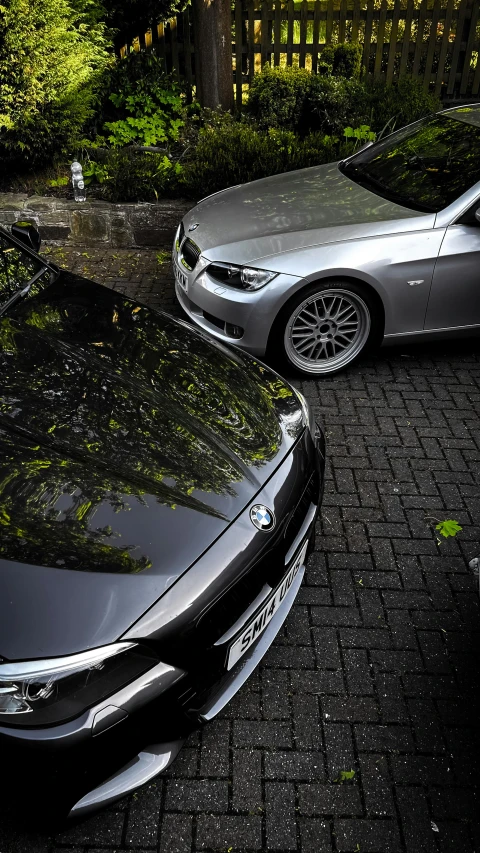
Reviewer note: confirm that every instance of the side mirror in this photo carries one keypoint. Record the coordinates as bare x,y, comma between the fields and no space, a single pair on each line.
27,233
477,215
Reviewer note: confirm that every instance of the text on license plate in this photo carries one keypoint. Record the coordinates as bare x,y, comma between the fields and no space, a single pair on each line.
180,277
257,626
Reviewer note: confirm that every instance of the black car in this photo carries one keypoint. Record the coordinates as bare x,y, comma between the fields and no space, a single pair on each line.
158,497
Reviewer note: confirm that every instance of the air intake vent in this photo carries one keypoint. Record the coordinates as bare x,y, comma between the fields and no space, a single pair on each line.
190,253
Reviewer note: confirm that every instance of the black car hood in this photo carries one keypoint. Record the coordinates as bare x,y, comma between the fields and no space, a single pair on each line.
128,444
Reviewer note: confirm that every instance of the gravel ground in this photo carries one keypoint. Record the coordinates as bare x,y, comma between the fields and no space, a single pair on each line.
376,670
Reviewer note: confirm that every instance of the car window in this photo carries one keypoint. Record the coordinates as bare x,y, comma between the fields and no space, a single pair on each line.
17,268
425,167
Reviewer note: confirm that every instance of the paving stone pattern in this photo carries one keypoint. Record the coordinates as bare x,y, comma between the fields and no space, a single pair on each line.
377,668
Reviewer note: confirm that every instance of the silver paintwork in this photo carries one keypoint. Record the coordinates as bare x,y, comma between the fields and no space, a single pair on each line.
314,225
140,770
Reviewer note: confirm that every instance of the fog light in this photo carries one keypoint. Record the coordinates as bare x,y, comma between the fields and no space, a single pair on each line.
233,331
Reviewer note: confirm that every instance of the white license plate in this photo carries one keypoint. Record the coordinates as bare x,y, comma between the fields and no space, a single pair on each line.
257,626
180,277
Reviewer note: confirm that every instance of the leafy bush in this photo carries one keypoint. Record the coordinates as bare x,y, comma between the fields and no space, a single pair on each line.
142,104
295,99
130,175
52,54
389,106
344,60
276,97
234,153
330,105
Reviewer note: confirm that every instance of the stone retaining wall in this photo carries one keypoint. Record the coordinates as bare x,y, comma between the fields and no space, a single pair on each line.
96,223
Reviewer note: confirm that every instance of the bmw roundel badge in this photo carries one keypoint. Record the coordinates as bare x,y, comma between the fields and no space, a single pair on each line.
262,517
194,226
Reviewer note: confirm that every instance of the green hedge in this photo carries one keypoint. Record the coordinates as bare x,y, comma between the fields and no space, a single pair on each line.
298,100
234,153
52,54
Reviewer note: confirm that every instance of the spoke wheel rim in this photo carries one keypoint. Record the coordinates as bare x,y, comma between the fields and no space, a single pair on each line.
327,331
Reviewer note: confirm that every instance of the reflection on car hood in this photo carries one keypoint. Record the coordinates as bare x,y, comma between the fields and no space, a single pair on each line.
128,443
288,211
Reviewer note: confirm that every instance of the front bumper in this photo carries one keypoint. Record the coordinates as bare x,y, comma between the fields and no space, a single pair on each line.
130,737
231,315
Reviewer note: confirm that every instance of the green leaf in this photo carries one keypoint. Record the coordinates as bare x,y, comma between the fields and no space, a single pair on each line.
449,527
345,776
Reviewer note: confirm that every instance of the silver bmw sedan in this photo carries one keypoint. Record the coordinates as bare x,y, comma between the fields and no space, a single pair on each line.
316,265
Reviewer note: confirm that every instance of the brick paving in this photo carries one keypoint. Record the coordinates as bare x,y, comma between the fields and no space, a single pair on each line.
376,670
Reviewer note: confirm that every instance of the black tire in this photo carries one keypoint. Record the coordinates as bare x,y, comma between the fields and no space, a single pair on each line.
326,327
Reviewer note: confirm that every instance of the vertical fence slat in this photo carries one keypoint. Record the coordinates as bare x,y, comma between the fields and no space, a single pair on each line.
316,36
406,38
277,32
476,78
432,42
419,40
187,50
251,39
457,47
161,43
264,32
368,35
238,53
380,39
393,41
356,20
329,28
343,21
290,32
174,47
469,49
444,47
303,32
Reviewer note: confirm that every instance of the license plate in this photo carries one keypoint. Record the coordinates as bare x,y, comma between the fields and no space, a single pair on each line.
180,277
260,622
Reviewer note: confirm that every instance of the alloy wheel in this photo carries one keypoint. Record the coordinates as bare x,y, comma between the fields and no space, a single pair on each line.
327,331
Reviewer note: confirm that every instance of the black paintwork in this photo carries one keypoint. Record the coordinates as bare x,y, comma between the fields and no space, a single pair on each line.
131,450
128,443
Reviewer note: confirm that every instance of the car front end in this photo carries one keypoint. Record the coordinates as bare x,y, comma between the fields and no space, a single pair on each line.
230,301
177,667
158,498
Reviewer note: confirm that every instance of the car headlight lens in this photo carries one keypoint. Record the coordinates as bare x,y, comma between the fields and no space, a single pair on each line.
46,692
246,278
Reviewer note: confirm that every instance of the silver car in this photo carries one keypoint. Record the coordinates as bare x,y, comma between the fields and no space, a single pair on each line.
316,265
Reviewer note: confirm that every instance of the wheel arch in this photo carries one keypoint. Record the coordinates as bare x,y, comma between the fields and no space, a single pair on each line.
325,278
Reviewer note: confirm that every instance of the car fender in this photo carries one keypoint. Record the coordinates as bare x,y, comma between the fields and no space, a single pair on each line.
398,267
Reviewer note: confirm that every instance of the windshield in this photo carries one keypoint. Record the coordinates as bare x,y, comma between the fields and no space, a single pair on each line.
17,268
426,167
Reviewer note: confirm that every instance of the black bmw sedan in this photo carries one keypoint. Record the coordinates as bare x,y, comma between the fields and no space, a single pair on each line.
158,497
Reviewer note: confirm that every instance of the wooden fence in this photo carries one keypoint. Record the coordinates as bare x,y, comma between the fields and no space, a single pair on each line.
436,40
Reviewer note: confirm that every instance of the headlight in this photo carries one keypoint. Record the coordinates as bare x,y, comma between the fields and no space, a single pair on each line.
46,692
246,278
307,413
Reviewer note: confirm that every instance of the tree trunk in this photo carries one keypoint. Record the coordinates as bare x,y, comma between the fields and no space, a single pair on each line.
213,53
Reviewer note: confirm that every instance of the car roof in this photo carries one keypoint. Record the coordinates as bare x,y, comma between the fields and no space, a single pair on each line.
468,113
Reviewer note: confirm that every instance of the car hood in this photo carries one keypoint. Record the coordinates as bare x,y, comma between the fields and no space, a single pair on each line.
128,444
290,211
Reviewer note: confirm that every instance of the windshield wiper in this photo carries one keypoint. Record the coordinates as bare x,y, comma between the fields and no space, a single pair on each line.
363,178
22,291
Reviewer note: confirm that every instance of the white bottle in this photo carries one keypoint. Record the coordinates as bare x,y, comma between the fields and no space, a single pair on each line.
78,182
